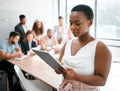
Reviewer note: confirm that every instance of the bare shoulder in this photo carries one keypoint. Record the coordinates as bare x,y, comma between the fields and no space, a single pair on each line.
101,47
103,52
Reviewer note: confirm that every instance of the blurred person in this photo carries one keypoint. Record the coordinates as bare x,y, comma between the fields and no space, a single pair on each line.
38,30
26,46
48,41
87,61
21,28
9,49
70,34
60,30
28,43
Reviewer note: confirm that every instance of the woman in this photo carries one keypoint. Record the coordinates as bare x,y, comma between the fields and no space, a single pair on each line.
60,30
87,60
38,30
28,43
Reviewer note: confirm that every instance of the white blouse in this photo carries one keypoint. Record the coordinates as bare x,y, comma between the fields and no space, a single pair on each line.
83,61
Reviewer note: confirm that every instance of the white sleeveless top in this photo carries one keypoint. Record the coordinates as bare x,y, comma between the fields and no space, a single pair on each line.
83,61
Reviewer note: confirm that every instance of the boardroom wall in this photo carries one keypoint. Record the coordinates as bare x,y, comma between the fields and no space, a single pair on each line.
33,9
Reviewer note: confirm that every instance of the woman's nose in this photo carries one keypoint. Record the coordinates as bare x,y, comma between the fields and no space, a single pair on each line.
72,26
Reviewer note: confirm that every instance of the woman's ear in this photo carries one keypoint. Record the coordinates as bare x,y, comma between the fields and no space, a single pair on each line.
90,22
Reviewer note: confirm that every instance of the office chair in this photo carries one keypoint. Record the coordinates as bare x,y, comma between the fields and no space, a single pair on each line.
31,85
4,81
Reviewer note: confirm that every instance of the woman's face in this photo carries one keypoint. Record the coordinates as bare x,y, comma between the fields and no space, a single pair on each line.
60,22
29,37
38,24
79,24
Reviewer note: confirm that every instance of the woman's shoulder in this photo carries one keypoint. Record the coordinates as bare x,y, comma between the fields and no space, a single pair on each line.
102,48
100,44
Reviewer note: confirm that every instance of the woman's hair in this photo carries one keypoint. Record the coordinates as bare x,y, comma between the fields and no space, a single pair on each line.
27,33
85,9
36,30
60,17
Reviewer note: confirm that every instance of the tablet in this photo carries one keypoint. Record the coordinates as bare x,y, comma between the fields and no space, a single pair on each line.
49,59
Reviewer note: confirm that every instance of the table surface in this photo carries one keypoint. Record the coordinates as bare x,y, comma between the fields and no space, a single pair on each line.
35,66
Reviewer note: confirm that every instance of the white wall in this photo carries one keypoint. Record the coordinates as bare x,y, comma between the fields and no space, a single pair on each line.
11,9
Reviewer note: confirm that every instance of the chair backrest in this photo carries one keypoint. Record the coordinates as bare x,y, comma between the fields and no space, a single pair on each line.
4,81
31,85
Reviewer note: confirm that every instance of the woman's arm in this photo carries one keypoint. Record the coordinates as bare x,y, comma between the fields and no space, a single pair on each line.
62,52
60,70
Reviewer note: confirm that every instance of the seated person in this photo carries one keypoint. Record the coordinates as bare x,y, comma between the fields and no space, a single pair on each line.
28,43
48,41
9,49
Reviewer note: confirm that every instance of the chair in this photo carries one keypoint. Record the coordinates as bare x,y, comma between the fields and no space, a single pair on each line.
31,85
4,81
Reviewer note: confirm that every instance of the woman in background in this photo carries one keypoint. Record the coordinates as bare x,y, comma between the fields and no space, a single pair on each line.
38,30
60,30
28,43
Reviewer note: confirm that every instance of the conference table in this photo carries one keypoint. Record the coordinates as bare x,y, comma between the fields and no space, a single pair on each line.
35,66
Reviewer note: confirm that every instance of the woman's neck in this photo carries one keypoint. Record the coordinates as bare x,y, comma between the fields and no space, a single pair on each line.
85,37
60,24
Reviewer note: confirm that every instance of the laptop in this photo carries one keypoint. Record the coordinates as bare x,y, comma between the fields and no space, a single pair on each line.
49,59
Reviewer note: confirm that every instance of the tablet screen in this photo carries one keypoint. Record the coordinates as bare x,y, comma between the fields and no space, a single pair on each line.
49,59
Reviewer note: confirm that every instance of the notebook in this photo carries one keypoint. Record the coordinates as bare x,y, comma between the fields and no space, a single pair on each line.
49,59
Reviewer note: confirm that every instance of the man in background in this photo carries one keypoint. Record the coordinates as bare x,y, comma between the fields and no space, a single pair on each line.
21,28
48,41
9,49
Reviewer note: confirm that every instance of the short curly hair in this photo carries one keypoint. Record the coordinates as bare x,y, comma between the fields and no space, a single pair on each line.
85,9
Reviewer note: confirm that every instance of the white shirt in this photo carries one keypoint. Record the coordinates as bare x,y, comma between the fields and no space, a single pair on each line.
83,61
60,32
30,43
25,28
49,42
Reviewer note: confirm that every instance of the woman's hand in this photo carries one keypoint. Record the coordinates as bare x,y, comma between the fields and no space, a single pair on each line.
69,74
60,70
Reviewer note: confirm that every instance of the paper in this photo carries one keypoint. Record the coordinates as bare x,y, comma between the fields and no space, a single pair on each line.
49,59
21,58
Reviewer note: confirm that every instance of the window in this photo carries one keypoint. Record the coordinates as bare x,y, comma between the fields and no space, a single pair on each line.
108,19
66,6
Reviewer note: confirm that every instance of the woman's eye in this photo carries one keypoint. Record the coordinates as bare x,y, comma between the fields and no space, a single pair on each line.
70,23
77,23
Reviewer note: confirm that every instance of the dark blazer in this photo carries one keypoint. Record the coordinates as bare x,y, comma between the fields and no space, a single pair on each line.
20,30
25,46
